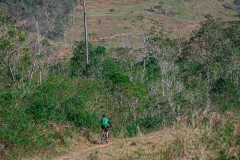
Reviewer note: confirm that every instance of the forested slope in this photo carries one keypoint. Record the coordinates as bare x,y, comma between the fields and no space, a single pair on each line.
44,103
51,18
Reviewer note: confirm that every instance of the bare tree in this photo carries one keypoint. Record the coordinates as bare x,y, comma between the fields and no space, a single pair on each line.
86,35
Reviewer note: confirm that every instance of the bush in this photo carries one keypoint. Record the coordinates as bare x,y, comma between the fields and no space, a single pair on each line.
111,10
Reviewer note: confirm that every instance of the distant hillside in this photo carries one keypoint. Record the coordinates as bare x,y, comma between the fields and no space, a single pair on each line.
131,18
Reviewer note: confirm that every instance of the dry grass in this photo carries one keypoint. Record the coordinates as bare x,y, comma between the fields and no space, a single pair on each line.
123,17
178,142
216,138
168,143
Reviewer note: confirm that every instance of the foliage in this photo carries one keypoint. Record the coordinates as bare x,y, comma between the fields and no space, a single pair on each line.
111,10
14,56
224,138
18,132
208,58
224,93
50,16
138,92
78,61
237,2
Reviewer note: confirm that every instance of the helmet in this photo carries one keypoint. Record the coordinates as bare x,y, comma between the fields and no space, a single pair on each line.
104,115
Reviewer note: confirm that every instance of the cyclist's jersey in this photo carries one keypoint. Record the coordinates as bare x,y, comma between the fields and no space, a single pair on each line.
104,121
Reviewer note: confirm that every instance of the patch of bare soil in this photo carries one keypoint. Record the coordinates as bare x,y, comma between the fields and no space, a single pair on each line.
63,52
194,24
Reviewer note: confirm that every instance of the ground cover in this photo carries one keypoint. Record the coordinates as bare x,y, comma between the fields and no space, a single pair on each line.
181,141
106,19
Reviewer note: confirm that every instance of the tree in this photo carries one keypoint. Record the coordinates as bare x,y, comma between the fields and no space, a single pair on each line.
211,58
15,60
52,15
78,61
237,2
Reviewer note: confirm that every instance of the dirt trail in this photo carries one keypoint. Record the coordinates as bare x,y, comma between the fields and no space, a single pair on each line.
187,25
80,5
145,145
86,153
109,37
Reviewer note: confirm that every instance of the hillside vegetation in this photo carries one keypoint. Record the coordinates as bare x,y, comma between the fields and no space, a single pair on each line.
47,102
120,19
49,18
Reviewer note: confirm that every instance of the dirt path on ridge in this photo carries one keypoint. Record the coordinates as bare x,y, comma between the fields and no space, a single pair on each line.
105,1
194,24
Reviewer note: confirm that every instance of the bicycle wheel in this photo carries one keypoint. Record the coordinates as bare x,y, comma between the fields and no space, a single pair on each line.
109,135
103,138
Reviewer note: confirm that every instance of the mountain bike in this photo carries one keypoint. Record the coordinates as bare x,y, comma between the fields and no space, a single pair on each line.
104,138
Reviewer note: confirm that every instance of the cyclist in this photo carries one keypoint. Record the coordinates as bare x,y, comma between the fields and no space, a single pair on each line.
104,125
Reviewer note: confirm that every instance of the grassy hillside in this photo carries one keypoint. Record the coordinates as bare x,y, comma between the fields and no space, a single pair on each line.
177,18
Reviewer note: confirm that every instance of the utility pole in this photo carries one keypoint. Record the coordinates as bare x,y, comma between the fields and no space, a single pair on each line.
86,35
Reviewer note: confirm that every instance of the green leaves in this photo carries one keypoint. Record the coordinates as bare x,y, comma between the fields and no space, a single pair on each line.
78,61
100,50
6,19
13,53
4,44
237,2
224,94
12,32
208,62
212,48
118,78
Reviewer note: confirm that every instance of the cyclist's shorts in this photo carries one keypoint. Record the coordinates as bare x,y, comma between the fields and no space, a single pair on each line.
105,128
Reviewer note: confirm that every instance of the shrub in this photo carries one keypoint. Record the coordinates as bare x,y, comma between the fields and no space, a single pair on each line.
111,10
